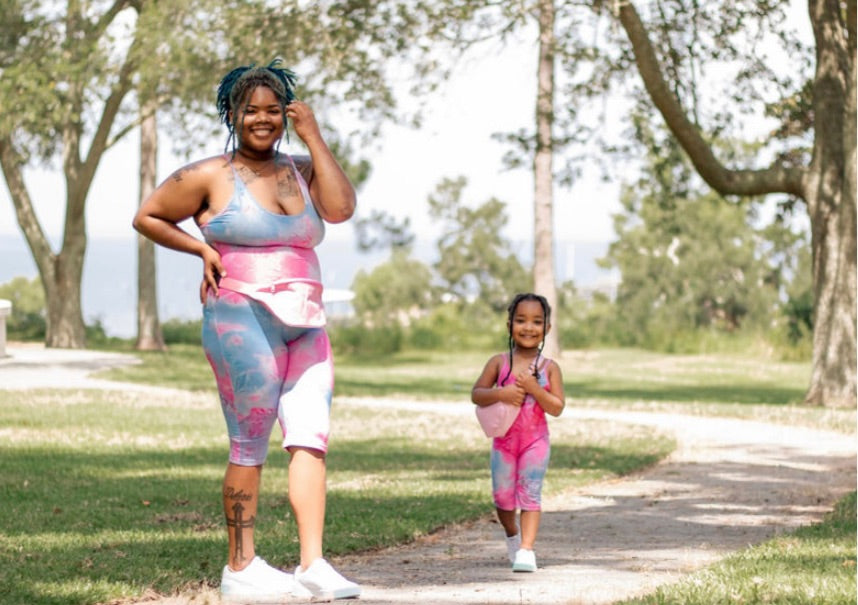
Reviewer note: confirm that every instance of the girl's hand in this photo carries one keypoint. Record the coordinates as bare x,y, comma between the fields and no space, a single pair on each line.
303,120
527,381
512,394
212,271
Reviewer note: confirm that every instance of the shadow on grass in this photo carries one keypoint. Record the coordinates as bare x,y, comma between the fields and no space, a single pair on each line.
84,527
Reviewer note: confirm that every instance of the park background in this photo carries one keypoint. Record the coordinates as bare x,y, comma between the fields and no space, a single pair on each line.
90,488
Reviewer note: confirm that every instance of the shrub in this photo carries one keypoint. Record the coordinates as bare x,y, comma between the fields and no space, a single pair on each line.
27,320
182,331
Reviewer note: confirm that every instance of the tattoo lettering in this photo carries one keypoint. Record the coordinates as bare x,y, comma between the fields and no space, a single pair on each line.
239,495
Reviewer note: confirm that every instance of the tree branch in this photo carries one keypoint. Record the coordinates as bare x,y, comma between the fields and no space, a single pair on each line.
775,179
11,165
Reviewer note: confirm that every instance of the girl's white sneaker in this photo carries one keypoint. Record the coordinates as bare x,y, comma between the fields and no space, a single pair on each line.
525,560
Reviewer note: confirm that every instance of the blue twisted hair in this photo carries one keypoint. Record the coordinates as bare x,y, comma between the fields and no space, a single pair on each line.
235,88
546,312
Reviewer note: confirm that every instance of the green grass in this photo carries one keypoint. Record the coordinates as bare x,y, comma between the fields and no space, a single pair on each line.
812,566
108,495
713,385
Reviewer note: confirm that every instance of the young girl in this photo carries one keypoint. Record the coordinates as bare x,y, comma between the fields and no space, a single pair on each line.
519,459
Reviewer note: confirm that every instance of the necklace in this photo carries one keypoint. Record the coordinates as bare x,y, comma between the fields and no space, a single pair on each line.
257,171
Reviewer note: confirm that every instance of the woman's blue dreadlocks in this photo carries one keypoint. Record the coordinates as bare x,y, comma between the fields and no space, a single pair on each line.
234,90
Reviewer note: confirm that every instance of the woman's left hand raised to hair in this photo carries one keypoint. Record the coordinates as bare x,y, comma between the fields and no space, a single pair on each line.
330,188
303,121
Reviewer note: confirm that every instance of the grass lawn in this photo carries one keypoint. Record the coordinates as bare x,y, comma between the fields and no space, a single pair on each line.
717,384
109,495
812,566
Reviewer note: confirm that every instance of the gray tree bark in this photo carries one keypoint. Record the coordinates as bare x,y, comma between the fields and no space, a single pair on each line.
149,335
543,173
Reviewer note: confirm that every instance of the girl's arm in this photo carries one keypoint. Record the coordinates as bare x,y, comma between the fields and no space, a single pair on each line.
184,194
553,399
330,188
485,392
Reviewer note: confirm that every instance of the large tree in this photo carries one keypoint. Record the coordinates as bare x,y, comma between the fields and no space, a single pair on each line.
825,181
675,50
69,70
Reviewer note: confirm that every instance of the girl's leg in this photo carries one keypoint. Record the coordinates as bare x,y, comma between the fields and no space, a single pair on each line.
529,528
240,499
532,464
503,465
507,520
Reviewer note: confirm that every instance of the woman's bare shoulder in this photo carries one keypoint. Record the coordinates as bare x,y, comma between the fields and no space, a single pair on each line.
205,168
304,165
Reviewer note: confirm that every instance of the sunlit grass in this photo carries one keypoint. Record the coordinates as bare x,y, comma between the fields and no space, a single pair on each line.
812,566
108,495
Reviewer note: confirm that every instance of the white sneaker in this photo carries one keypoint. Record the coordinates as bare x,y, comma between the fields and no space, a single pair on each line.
256,583
513,543
324,582
525,560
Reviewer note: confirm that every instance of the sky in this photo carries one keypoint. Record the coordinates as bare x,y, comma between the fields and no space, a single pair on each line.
455,139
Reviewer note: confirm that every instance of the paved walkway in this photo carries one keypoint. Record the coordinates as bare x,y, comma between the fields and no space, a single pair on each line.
729,484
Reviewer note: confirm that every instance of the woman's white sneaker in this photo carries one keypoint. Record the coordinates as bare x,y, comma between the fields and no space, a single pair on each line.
525,560
256,583
324,582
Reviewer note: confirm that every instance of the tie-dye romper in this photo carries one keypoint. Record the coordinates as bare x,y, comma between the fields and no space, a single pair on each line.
519,459
263,334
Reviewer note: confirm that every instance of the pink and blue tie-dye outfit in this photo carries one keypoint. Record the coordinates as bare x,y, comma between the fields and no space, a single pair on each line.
263,334
519,459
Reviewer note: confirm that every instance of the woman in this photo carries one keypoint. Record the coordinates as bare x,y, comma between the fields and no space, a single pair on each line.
261,214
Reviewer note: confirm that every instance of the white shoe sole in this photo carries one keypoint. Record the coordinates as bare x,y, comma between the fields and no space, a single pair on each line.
268,599
328,595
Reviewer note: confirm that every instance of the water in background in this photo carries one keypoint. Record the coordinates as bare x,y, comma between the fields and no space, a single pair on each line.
110,275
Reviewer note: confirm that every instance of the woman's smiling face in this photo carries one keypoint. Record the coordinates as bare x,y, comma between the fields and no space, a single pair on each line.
261,120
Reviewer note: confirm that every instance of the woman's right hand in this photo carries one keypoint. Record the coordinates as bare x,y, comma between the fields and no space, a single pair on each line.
212,272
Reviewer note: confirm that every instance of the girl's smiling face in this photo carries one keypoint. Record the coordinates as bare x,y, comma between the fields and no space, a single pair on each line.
528,326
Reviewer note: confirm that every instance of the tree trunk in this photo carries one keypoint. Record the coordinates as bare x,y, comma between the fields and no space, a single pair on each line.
65,328
543,219
61,273
149,336
832,206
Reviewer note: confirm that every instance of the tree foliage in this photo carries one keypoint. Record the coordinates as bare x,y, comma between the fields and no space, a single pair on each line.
396,291
475,259
688,259
71,74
